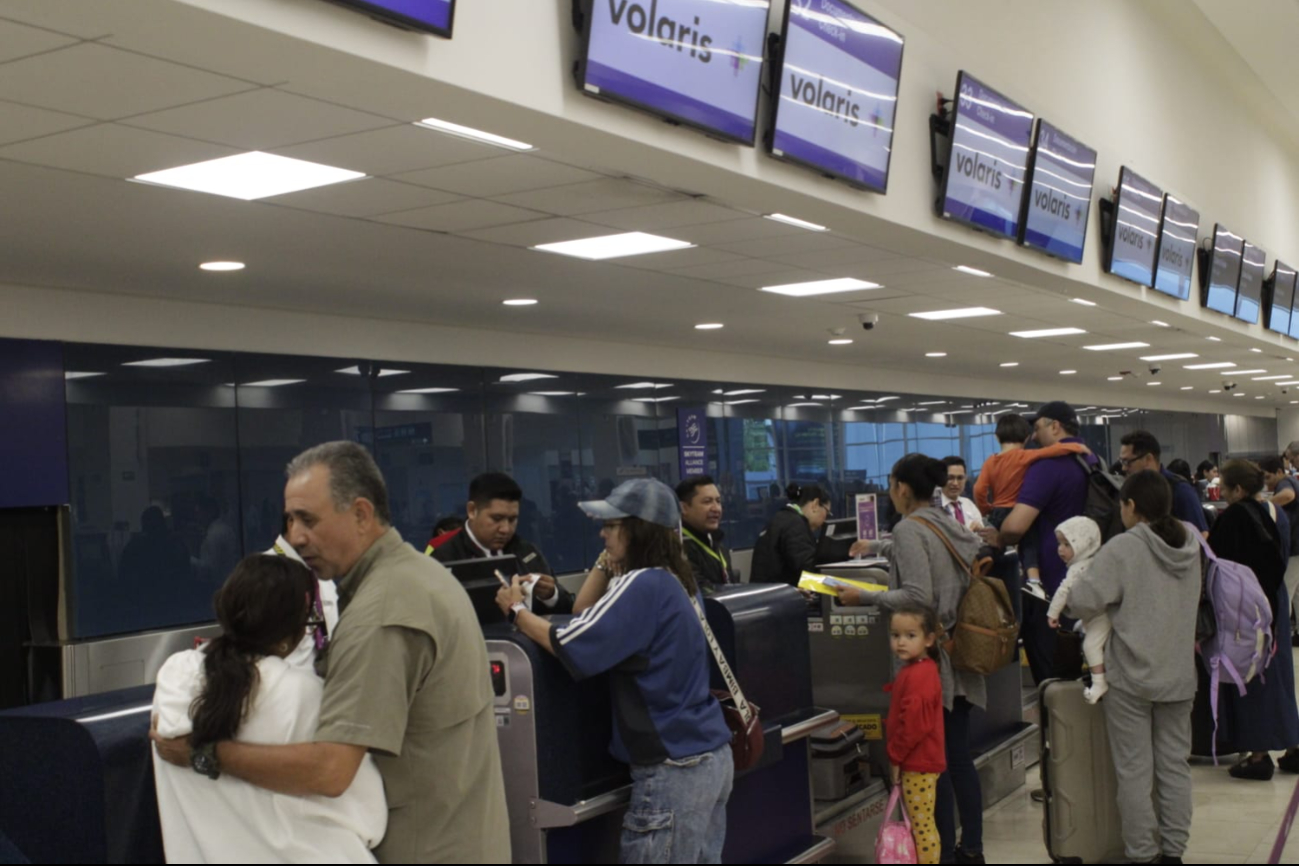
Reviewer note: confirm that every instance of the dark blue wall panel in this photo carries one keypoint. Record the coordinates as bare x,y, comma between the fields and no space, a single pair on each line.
33,425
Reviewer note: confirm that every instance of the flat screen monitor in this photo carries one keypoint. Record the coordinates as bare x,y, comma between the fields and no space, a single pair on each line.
431,16
1282,301
1137,211
696,62
1059,194
838,92
1249,292
988,163
1224,271
1177,245
478,576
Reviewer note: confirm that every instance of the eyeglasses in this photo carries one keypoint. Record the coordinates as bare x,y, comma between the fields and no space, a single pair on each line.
1128,461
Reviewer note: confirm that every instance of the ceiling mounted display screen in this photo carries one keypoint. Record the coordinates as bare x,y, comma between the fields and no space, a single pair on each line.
1224,271
984,180
697,62
1249,294
1282,301
1177,244
838,92
1059,194
433,16
1137,210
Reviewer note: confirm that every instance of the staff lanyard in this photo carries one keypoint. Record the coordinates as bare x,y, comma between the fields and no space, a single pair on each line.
708,550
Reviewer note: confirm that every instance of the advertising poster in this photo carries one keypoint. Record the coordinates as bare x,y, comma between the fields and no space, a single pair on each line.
868,525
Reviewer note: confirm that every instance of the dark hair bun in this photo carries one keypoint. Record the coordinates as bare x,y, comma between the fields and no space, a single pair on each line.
936,471
793,491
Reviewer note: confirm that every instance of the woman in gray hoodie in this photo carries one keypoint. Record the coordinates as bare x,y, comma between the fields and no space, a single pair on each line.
923,572
1149,574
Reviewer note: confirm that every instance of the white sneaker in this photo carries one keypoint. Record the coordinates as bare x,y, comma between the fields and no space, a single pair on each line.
1096,690
1034,588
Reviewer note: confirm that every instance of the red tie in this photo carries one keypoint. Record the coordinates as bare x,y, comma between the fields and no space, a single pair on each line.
957,513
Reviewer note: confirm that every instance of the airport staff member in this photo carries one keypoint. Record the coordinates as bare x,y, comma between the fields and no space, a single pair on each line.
492,530
788,546
701,521
406,678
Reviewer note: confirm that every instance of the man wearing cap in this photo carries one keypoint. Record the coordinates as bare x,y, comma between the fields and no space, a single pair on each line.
1054,490
639,622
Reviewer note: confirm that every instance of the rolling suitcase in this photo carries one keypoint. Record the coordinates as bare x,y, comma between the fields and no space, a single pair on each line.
1080,819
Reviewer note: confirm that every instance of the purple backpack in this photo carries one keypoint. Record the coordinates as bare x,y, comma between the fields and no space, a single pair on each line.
1242,645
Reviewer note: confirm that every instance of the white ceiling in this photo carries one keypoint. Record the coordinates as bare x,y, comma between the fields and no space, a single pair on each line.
95,92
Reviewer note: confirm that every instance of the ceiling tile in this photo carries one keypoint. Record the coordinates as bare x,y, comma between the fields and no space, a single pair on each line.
734,231
365,197
392,150
803,242
777,278
21,122
672,261
857,254
487,178
105,83
591,197
260,120
113,150
19,40
547,231
677,214
460,216
738,268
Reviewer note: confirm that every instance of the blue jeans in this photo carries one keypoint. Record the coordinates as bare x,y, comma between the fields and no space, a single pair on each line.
678,810
959,788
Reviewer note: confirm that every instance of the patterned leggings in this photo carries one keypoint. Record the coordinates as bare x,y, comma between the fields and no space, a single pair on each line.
919,792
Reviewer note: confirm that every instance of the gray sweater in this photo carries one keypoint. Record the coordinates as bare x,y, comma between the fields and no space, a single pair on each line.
922,571
1151,592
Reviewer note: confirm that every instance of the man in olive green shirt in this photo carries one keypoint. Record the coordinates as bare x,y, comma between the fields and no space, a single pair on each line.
406,677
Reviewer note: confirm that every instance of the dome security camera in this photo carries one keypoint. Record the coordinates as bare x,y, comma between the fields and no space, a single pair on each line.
1155,368
868,320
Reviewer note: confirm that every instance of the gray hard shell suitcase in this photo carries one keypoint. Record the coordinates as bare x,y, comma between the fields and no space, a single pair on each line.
1080,819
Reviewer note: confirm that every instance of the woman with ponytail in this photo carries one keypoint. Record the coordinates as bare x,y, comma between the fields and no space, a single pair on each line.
240,686
1148,581
788,546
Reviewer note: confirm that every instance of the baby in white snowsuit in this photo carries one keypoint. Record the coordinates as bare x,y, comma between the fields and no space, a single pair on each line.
1080,541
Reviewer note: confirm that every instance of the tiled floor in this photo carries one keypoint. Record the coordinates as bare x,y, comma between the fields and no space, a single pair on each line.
1235,821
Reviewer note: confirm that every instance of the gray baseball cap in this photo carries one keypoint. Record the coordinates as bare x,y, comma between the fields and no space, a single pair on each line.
646,498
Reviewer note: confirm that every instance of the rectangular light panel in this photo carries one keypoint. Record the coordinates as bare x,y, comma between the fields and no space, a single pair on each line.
1220,365
1181,356
250,176
1047,332
167,362
272,383
1109,347
963,313
821,287
472,134
615,246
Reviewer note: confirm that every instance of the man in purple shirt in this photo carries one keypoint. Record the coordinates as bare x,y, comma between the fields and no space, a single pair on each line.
1054,490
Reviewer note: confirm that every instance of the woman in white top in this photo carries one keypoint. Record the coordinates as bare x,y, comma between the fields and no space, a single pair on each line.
240,686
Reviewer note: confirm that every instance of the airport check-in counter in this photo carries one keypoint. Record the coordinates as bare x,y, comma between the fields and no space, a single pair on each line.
851,664
567,796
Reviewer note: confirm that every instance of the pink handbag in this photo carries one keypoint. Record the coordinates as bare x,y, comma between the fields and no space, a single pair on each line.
894,844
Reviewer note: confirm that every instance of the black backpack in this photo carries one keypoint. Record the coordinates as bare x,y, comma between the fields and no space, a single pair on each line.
1102,503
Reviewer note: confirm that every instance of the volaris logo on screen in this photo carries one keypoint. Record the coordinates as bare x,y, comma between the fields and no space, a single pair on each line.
670,32
1047,200
837,103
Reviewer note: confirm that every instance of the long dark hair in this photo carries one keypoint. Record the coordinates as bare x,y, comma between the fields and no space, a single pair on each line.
652,546
922,473
264,603
1152,497
928,623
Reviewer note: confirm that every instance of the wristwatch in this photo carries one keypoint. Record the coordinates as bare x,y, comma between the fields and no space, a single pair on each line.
515,609
204,760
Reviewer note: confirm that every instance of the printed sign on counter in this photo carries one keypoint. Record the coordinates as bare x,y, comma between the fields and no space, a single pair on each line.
692,441
697,61
868,521
838,92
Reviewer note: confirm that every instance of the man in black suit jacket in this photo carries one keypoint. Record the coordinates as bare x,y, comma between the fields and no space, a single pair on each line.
491,530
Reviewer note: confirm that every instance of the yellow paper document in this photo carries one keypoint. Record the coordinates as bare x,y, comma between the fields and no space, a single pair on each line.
827,585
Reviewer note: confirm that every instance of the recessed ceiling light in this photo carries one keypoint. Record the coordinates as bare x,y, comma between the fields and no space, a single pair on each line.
1259,351
974,272
250,176
1084,302
1216,391
520,302
1116,378
840,341
615,246
1290,359
654,399
1150,384
1215,339
1160,324
963,313
933,403
1246,372
1238,395
167,362
70,375
1218,365
356,371
821,287
935,354
826,396
472,134
801,405
1011,364
428,391
742,392
1287,384
643,386
1259,397
1047,332
710,326
1181,356
222,266
886,399
1068,372
527,377
551,393
740,402
1292,402
272,383
1271,378
794,221
1188,388
1109,347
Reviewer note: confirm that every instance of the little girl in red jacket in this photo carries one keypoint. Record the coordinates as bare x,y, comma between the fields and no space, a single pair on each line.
915,723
